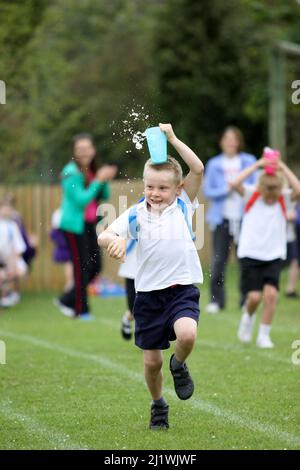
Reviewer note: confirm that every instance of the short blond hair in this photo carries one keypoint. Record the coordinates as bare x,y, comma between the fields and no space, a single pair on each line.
266,179
170,165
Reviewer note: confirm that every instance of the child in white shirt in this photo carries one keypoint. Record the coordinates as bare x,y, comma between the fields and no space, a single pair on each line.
128,271
12,246
262,244
167,302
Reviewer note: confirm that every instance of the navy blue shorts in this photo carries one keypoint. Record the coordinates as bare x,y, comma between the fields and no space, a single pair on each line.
155,313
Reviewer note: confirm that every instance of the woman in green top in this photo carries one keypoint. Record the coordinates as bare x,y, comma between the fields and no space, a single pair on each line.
81,185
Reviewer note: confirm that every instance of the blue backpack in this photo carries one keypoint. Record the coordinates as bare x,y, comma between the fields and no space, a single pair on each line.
134,227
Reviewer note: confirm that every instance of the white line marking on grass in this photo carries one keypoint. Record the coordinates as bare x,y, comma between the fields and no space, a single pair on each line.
245,349
270,430
227,318
35,429
217,345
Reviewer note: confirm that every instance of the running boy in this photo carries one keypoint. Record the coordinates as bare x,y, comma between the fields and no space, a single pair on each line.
262,244
167,302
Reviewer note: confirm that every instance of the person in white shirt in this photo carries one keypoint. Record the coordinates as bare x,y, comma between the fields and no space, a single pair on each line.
262,244
225,209
167,301
12,246
128,271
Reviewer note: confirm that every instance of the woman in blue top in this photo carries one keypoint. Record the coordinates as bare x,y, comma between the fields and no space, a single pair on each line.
225,211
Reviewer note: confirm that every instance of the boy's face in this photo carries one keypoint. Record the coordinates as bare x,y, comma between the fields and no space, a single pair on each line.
160,188
270,191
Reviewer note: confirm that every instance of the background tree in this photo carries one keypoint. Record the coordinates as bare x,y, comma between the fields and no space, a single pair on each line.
73,66
213,66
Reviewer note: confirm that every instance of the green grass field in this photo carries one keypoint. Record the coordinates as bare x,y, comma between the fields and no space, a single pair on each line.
69,384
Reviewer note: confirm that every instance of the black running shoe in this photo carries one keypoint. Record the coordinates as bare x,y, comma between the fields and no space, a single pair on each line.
292,295
159,417
126,329
183,383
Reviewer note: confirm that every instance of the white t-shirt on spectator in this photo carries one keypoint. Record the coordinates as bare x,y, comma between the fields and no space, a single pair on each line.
233,202
11,243
166,254
11,240
264,229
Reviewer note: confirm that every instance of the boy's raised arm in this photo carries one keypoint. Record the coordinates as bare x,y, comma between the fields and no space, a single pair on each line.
237,183
193,180
292,179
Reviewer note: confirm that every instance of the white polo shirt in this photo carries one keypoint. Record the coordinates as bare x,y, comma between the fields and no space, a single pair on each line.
264,229
128,269
166,254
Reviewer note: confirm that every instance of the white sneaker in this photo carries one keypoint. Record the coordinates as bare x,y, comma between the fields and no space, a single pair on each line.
5,302
264,342
246,328
15,297
67,311
10,299
212,308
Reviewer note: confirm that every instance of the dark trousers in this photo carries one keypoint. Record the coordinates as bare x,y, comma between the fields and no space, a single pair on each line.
76,297
130,293
93,261
222,243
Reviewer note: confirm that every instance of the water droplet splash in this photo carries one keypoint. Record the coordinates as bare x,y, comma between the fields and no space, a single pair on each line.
132,127
138,139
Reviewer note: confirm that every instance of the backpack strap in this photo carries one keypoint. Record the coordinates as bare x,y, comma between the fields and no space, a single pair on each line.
257,194
132,222
130,245
252,201
134,227
184,210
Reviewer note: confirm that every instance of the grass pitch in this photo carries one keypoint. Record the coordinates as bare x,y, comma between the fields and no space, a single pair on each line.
68,384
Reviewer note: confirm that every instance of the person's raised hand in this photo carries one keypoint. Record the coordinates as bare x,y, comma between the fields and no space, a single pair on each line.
107,172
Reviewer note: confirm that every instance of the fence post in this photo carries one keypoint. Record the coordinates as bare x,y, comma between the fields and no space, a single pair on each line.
277,110
2,92
2,353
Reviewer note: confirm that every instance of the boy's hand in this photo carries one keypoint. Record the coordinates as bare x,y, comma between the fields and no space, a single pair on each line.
117,248
262,163
281,165
168,130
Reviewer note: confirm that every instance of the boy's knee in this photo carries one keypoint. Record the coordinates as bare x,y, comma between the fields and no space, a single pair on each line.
270,294
187,337
153,364
254,297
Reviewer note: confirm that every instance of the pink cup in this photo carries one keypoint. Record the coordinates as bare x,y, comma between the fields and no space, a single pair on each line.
272,156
